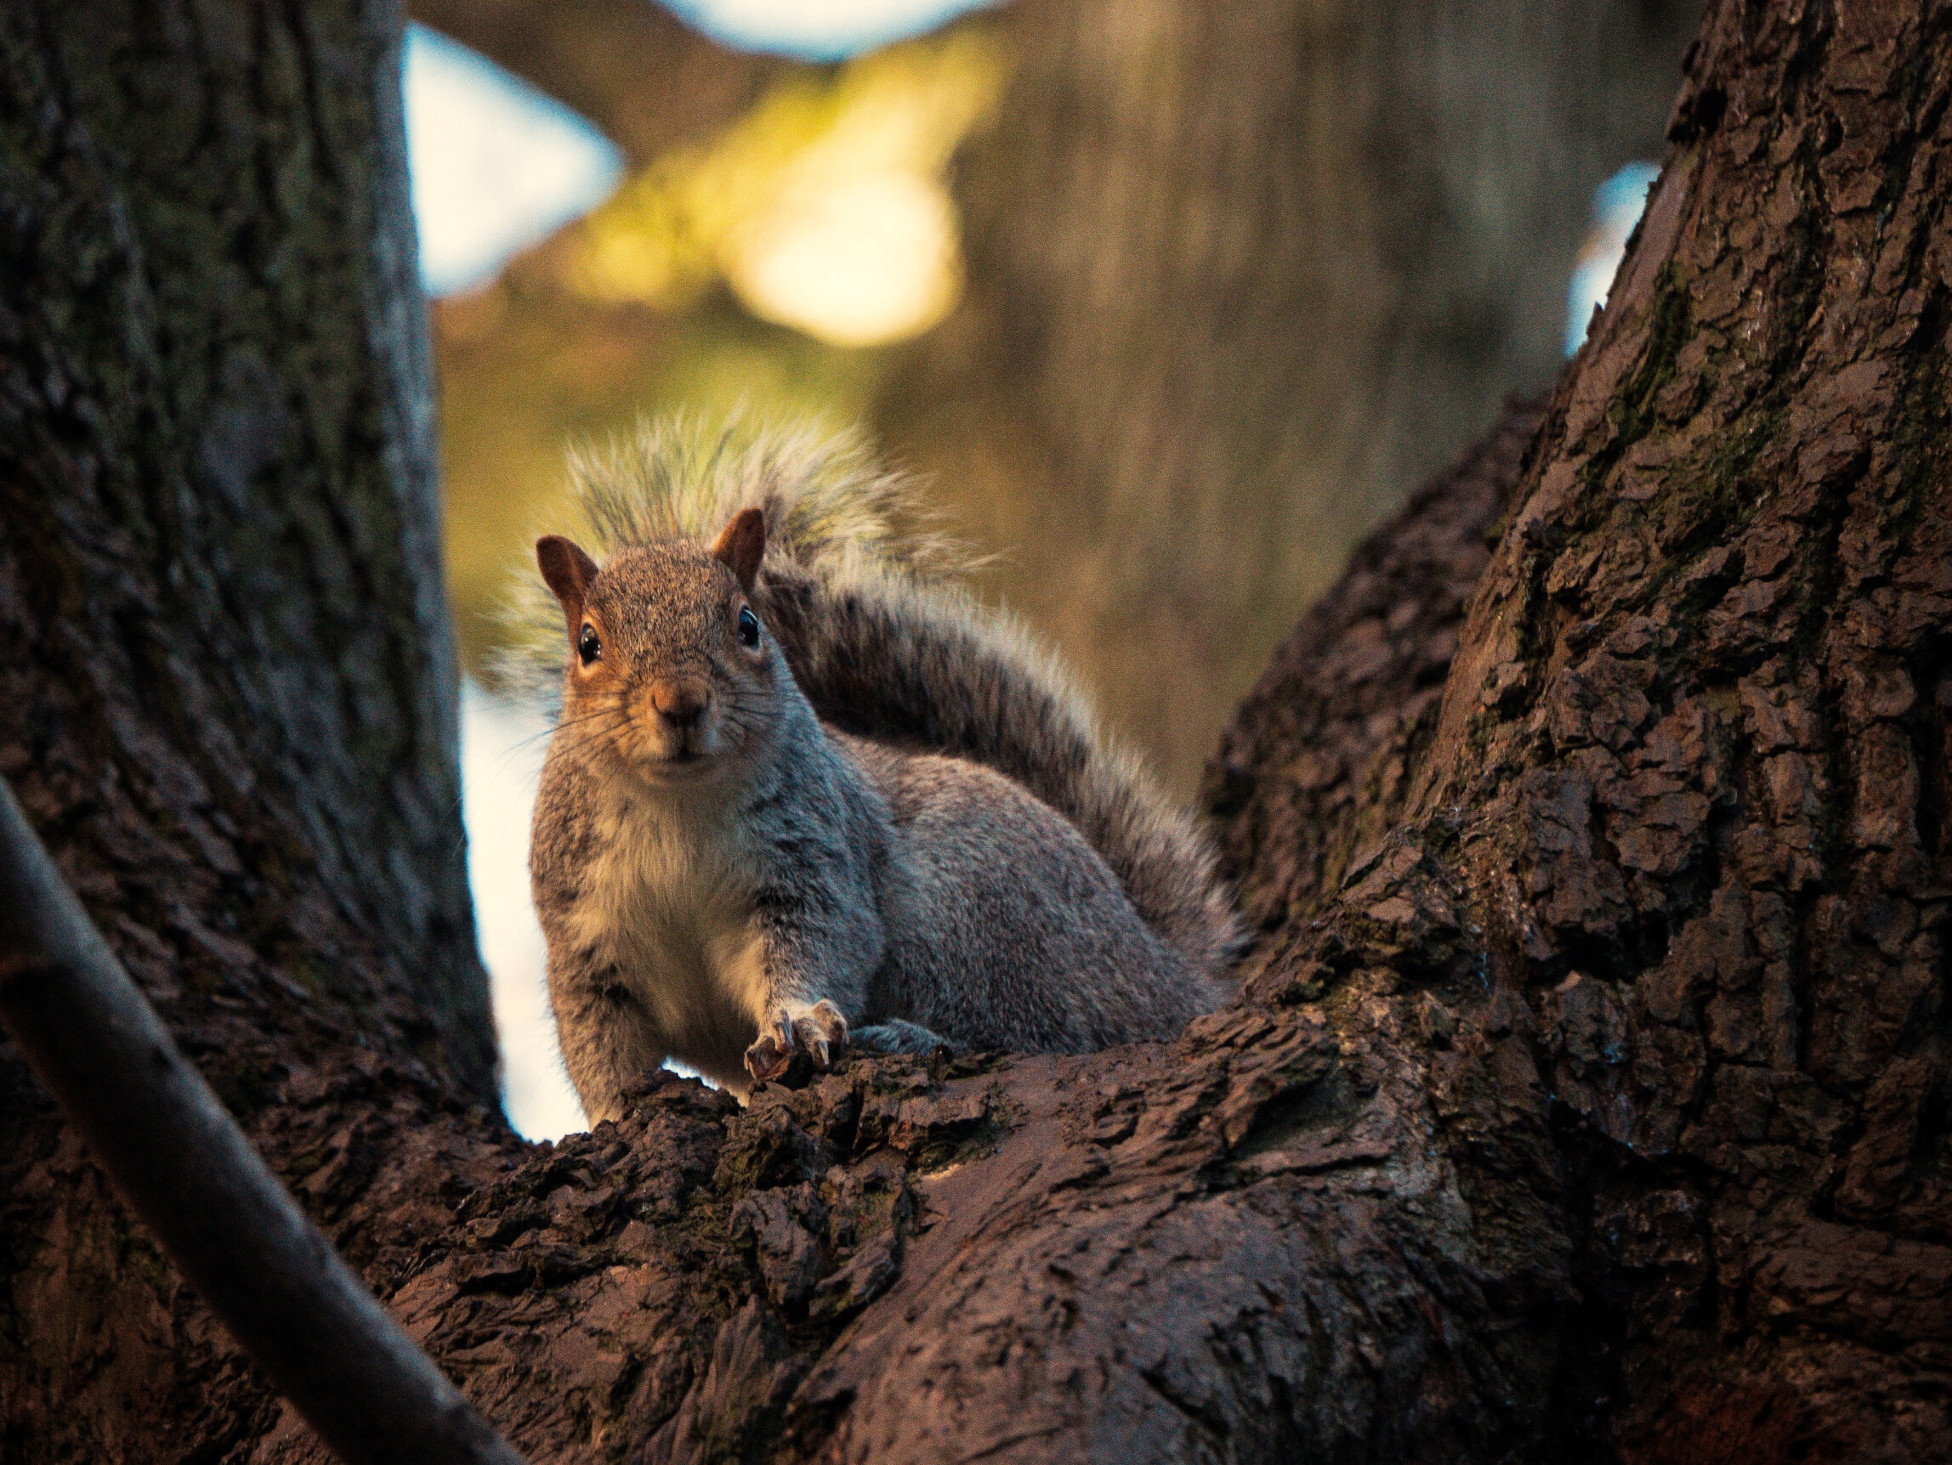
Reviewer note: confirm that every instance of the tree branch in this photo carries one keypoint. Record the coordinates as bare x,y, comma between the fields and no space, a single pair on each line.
180,1159
647,79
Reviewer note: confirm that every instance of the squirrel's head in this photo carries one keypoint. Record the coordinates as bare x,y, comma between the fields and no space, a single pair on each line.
668,662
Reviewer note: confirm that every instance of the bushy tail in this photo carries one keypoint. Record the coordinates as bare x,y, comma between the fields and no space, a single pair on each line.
886,645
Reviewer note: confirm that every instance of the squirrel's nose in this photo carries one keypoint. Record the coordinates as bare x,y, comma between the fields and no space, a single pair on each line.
680,703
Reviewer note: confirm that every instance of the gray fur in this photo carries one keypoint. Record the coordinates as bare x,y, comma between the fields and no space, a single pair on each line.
898,806
1006,929
897,1035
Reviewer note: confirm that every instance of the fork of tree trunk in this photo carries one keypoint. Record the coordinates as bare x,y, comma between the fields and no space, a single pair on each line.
1586,1096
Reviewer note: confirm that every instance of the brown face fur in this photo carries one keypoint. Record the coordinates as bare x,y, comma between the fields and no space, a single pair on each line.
672,687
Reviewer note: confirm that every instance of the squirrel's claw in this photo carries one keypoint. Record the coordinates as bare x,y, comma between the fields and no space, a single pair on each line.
823,1033
772,1051
819,1031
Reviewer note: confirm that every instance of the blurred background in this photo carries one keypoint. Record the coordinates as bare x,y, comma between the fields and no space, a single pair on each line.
1168,301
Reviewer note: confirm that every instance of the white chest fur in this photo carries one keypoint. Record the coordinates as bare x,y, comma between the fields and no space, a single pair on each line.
668,901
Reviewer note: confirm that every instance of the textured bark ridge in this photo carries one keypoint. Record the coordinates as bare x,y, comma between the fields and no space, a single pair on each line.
1587,1098
226,693
220,584
1685,806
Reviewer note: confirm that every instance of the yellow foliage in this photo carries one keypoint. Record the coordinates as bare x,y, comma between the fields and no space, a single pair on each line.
824,207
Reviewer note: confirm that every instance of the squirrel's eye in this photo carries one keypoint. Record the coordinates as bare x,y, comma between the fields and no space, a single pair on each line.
587,644
748,627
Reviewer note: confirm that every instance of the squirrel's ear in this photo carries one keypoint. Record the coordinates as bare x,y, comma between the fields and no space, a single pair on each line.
569,572
743,544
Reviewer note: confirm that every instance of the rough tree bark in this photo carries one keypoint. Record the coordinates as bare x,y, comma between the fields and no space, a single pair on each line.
220,479
1587,1094
227,690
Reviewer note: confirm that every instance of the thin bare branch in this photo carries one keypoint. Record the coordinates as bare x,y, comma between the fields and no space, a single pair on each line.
180,1159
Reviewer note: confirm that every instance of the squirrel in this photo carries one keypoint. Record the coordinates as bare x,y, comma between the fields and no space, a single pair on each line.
804,791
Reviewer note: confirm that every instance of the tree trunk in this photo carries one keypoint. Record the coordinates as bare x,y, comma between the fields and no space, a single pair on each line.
227,698
1587,1093
1239,277
224,586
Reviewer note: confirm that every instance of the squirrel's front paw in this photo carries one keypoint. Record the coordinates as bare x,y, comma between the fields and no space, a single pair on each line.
818,1031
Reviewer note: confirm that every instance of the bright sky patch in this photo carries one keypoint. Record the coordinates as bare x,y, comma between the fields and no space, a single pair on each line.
496,165
818,30
1617,204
